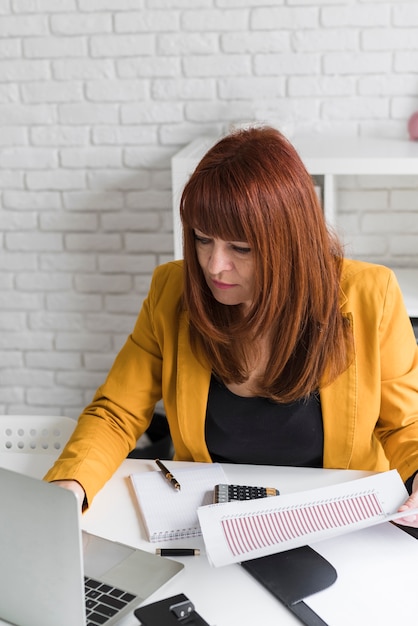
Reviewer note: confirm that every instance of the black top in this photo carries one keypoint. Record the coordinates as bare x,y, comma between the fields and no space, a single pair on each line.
259,431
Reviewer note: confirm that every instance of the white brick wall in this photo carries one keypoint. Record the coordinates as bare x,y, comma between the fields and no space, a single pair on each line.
95,98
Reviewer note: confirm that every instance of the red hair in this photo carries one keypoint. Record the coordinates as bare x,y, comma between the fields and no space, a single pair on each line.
252,186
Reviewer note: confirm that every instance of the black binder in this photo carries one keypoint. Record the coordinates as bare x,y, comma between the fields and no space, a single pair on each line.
292,576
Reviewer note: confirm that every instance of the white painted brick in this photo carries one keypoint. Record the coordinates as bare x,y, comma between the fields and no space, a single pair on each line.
404,245
26,114
122,45
139,221
91,157
357,63
245,88
146,21
373,200
53,360
9,93
187,43
356,16
389,39
98,362
151,113
34,241
255,42
116,90
217,65
108,323
12,321
214,20
390,223
123,304
54,47
39,281
68,263
85,69
368,246
81,201
356,108
52,92
99,242
227,111
149,242
28,200
18,302
41,6
153,199
81,24
23,26
81,380
178,4
28,158
405,200
73,302
13,261
287,64
324,40
390,84
84,341
55,395
48,320
10,359
6,282
27,340
59,135
108,5
93,283
405,14
121,180
231,4
183,89
125,135
148,157
11,394
322,86
10,221
20,70
148,67
270,18
11,180
10,48
87,113
125,263
55,180
62,222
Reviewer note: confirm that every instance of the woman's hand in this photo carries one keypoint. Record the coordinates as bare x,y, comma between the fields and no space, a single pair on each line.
411,503
75,487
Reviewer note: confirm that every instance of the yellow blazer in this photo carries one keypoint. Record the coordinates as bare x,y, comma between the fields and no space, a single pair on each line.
370,413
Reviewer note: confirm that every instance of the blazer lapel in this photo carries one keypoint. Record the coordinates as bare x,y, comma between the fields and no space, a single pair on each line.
193,379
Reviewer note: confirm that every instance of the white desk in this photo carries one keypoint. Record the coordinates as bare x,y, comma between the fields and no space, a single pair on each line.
328,158
225,596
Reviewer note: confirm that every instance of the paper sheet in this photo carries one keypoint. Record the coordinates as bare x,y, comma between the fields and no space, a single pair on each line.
237,531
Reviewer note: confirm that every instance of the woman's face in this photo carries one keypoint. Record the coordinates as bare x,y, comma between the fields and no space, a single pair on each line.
228,267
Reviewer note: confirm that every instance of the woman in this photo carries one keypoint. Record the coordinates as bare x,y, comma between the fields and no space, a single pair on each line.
266,345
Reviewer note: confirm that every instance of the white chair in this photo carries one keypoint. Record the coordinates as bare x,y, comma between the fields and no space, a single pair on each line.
31,443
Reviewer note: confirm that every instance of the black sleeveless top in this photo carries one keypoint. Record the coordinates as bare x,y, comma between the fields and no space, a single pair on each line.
259,431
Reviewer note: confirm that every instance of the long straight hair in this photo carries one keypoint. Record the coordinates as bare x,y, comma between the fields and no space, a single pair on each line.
253,187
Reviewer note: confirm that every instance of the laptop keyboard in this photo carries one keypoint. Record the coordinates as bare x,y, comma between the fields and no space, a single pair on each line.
103,602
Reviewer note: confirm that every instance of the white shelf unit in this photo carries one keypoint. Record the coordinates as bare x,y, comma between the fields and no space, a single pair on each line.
328,158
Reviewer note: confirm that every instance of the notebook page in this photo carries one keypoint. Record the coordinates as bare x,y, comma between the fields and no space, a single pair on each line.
172,514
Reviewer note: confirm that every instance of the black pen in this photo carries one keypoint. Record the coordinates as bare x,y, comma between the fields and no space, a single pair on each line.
177,551
168,475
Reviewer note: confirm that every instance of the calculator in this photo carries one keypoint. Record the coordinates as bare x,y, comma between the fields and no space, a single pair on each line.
228,493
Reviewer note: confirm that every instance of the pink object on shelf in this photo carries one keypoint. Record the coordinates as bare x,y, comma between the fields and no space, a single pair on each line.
413,126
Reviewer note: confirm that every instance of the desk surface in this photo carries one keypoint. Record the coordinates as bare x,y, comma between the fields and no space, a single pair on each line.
223,596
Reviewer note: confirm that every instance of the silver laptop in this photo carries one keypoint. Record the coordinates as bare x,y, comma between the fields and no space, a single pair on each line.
53,574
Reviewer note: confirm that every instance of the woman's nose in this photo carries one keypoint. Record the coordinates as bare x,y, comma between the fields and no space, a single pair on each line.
219,260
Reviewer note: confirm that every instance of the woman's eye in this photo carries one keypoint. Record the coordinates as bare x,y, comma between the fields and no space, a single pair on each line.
201,239
242,249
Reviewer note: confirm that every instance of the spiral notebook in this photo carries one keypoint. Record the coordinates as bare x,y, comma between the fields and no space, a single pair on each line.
171,514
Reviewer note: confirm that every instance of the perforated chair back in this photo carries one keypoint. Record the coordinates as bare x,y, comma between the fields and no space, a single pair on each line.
35,434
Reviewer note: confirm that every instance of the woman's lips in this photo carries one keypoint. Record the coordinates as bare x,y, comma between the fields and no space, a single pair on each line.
219,285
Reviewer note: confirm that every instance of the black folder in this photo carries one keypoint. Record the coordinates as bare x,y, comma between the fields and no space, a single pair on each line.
292,576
